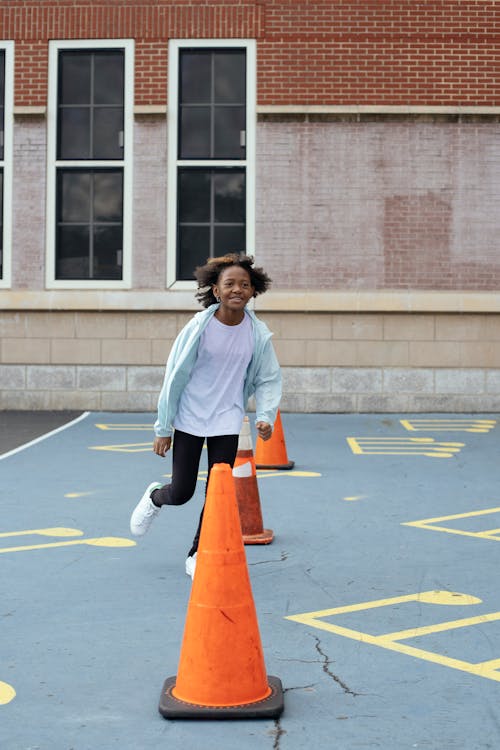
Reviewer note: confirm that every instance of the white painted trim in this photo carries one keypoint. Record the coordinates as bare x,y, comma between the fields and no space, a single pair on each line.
298,300
410,109
126,163
44,437
175,45
150,109
8,48
29,111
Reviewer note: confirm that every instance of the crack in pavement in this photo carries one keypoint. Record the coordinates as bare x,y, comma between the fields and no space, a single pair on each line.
278,730
326,669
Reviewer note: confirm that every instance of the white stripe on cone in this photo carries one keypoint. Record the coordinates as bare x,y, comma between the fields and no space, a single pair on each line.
243,470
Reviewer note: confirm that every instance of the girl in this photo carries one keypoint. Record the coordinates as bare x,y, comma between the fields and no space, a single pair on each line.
221,357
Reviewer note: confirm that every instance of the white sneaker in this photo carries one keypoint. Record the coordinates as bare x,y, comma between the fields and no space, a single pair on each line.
191,565
145,512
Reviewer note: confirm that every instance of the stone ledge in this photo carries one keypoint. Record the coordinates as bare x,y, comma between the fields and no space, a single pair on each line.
291,300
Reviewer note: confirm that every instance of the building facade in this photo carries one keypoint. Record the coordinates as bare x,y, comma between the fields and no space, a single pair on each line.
352,147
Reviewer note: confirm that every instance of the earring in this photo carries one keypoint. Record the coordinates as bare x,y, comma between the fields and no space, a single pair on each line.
217,299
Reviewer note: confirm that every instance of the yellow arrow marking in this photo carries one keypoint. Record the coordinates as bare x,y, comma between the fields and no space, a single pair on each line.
391,641
389,446
433,524
53,531
7,693
449,425
265,473
124,447
130,426
268,473
105,541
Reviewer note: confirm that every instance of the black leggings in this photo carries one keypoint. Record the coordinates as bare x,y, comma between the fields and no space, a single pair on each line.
186,454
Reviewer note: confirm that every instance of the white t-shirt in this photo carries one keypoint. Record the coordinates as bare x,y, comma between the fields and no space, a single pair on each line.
212,402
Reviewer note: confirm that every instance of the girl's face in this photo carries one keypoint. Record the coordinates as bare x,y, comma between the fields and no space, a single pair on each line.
234,288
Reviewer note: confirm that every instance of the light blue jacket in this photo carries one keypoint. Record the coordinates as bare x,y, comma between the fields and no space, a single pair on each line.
263,376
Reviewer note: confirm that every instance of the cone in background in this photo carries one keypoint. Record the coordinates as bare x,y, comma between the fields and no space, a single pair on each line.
221,672
247,491
271,454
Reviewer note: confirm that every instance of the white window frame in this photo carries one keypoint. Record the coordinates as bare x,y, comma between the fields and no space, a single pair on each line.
248,164
127,45
6,163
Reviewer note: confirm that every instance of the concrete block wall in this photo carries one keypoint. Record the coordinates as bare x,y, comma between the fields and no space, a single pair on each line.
332,362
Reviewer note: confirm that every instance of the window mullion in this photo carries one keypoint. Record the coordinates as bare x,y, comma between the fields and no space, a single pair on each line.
91,228
91,105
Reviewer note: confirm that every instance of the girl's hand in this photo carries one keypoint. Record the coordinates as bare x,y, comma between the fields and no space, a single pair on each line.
161,445
264,430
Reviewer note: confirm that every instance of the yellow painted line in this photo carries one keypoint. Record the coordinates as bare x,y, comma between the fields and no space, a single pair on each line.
105,541
53,531
7,693
391,641
431,524
124,447
353,498
124,426
78,494
449,425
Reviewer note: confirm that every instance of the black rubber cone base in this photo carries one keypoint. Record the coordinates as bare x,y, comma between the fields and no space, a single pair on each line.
289,465
270,708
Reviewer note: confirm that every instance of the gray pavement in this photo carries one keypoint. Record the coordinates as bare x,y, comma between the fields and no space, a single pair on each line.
378,601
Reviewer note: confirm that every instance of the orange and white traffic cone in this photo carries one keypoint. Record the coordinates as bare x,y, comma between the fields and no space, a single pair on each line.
221,673
271,454
247,491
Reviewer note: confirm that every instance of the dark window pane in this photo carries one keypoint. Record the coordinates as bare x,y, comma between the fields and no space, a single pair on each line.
228,240
74,77
1,130
108,253
73,196
194,140
229,77
86,246
72,249
194,249
108,196
108,77
2,75
2,97
229,122
194,196
195,77
229,197
74,133
108,122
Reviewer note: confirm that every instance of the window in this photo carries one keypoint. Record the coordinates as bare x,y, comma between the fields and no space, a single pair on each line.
6,104
211,153
89,185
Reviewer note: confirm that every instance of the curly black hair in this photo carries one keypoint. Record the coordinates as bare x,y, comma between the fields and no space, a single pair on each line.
208,275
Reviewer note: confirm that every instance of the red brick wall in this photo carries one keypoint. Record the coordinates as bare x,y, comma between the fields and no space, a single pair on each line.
437,52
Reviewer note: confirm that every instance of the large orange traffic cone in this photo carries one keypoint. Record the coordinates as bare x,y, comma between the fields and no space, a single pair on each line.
221,672
247,491
271,454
